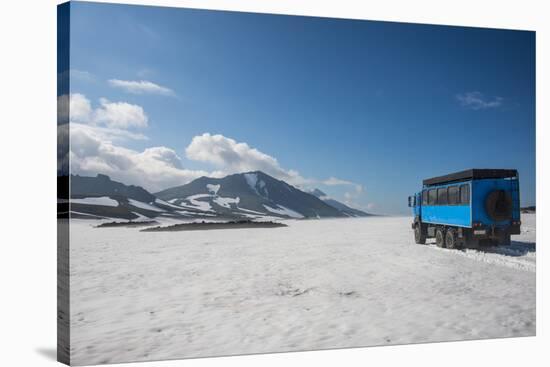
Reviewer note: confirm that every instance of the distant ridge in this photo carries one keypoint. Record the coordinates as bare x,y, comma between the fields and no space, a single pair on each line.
351,212
250,195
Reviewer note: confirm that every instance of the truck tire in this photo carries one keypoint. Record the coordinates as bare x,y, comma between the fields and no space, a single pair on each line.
440,237
419,234
451,239
498,205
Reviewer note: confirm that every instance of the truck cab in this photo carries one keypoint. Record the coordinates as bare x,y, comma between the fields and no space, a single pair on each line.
468,208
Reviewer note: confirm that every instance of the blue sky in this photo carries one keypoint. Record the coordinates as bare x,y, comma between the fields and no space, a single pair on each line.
363,110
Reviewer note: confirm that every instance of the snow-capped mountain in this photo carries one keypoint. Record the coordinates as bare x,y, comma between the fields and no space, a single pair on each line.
248,195
100,197
351,212
251,195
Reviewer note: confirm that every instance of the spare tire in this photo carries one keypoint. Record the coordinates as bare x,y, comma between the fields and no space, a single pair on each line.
498,205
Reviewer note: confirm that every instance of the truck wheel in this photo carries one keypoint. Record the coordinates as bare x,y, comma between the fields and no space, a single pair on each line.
419,234
451,240
440,237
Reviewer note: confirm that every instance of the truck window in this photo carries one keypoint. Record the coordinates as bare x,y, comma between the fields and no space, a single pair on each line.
465,194
432,197
442,196
453,195
425,197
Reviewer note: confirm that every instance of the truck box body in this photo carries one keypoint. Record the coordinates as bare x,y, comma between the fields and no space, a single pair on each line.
457,214
476,202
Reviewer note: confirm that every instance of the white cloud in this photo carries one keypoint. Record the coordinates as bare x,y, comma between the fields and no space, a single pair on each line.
80,107
120,115
333,181
163,154
140,87
351,198
477,101
95,150
108,134
232,157
75,104
110,115
154,168
97,135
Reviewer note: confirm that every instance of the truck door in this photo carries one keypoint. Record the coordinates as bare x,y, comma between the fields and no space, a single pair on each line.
418,206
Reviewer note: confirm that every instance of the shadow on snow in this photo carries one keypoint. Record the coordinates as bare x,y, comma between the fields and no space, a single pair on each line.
515,249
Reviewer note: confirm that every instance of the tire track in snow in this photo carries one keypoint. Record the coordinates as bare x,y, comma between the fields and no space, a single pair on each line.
509,256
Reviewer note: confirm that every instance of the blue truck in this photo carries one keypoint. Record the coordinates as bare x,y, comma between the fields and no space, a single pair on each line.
470,208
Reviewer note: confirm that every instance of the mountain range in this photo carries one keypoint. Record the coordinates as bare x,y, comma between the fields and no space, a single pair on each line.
350,212
250,195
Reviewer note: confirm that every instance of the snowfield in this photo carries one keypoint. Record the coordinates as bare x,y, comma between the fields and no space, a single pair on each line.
103,200
198,204
282,210
315,284
146,206
226,202
165,203
213,188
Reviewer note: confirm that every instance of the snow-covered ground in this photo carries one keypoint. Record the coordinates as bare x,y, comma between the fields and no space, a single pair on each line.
283,211
198,204
146,206
103,200
226,202
315,284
